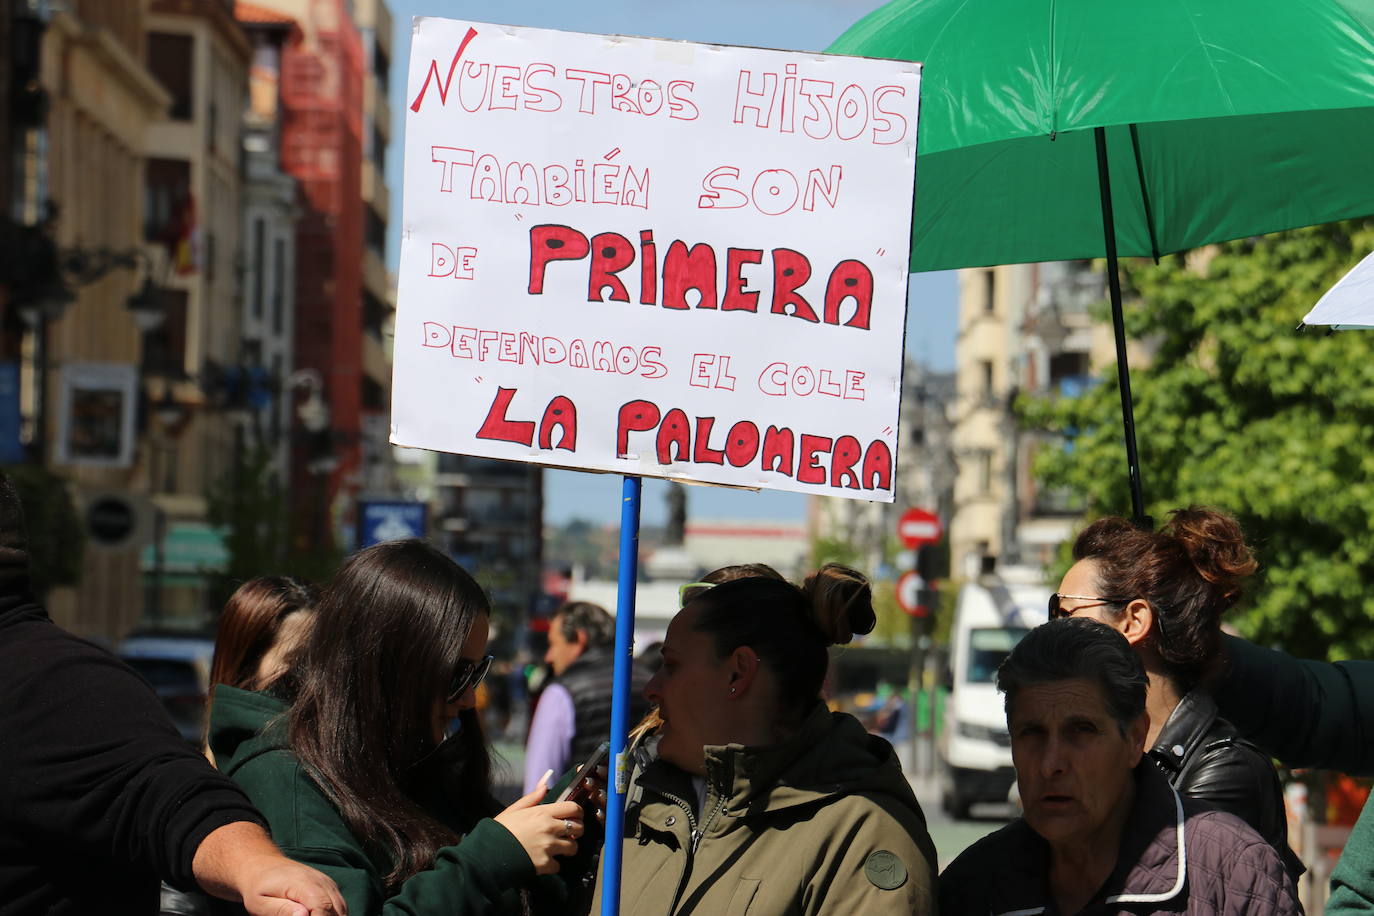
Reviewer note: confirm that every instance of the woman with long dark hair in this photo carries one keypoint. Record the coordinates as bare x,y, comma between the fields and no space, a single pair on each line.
356,776
1166,592
758,797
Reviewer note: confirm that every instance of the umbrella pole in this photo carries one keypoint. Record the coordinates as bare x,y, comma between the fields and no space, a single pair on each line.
1123,369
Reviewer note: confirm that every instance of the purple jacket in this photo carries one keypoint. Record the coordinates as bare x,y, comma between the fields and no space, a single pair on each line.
1177,856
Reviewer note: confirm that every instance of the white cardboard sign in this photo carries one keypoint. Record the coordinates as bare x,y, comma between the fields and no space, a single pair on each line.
655,257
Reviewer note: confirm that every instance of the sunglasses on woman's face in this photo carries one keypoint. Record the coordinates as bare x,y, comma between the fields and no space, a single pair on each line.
1057,610
467,676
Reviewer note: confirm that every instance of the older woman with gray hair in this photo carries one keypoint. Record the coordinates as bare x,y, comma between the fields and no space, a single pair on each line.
1103,831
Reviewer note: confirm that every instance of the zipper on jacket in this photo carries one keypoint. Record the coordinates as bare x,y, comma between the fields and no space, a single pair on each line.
695,835
698,830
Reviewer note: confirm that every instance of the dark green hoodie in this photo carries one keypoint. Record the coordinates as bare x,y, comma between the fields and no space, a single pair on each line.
481,874
823,823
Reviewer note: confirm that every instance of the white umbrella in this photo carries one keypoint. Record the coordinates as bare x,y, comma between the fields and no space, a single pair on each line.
1350,303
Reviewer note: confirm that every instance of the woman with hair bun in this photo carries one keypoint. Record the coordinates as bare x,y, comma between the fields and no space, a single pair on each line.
1166,592
759,798
648,726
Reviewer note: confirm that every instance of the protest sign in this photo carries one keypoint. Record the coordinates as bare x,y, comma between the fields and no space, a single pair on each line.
655,258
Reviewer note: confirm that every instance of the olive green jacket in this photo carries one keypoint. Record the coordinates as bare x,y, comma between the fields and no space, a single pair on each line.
481,874
823,823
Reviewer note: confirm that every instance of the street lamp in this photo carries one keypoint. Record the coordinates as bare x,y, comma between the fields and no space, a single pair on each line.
170,414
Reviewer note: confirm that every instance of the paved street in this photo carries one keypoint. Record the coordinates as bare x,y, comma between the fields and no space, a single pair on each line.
950,836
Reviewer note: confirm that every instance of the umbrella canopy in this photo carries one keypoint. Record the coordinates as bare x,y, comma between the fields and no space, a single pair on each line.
1350,303
1222,118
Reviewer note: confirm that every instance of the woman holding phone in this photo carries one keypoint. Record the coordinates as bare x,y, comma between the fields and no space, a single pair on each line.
348,759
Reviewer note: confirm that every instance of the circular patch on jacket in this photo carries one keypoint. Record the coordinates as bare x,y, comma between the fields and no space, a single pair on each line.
885,870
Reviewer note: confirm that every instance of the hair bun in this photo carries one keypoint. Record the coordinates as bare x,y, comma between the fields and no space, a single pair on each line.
1215,545
841,602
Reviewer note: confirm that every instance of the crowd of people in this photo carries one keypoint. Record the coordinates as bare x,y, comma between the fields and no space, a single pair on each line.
345,768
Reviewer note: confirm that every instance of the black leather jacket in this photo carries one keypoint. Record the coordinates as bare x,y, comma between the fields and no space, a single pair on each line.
1205,758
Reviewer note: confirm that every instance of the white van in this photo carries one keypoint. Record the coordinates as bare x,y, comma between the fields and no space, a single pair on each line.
990,618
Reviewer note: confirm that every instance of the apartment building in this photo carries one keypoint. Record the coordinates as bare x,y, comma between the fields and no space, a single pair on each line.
193,208
1023,329
80,173
268,245
321,97
924,477
490,518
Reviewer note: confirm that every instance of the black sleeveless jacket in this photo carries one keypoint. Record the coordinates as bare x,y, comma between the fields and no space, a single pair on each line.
588,680
1205,758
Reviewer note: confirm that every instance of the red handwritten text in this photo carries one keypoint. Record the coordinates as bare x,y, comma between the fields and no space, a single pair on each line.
539,87
773,101
524,348
694,270
677,438
557,185
780,380
456,261
773,191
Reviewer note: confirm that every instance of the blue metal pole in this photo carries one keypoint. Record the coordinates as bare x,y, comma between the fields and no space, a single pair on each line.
619,771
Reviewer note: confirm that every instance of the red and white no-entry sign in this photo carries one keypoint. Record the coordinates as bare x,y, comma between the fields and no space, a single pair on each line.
918,526
909,594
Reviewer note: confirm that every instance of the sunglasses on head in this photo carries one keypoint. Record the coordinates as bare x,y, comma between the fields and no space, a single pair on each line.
692,591
1056,611
467,676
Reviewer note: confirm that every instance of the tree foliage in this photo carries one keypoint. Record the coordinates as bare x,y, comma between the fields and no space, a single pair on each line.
57,538
248,504
1241,410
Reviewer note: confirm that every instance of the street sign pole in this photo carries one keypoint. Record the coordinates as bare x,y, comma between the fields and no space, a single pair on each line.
920,657
909,587
918,529
913,690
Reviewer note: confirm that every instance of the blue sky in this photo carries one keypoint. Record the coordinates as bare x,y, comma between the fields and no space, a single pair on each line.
801,25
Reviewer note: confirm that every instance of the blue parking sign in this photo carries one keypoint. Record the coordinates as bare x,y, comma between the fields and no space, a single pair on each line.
390,520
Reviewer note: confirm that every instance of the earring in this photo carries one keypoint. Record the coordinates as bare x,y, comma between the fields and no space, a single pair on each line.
732,691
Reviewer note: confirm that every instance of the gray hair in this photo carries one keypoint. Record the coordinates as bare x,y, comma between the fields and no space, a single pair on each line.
1078,648
584,617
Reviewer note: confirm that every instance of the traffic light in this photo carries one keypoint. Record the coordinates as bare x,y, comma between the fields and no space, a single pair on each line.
932,561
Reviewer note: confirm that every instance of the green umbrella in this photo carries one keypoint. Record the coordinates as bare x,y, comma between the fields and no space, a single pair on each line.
1058,129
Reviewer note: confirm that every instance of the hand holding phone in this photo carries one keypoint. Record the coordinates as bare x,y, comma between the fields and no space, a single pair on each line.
584,786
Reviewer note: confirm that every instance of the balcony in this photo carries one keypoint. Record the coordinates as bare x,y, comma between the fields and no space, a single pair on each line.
377,107
374,189
376,363
374,274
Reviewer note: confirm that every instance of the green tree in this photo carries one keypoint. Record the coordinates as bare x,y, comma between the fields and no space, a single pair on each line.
248,504
57,538
1241,411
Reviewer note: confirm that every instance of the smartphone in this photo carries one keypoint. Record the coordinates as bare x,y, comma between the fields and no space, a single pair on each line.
582,781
